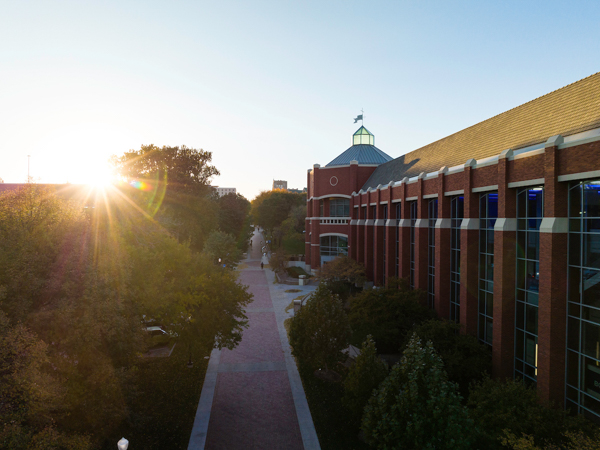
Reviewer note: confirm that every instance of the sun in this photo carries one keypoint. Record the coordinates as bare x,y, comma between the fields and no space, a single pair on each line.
100,176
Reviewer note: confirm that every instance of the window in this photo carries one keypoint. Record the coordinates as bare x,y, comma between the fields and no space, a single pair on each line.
530,211
339,207
583,323
413,221
334,246
432,214
488,213
456,217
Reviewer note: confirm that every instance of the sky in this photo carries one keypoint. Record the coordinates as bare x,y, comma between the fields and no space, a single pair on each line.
269,87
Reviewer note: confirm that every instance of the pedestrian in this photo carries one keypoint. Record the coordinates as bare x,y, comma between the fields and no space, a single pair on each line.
262,265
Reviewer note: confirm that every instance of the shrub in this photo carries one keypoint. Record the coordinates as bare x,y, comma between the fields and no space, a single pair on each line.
365,375
510,408
320,330
387,314
465,358
343,276
416,406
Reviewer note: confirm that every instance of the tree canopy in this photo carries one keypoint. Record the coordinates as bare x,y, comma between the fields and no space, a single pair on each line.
271,208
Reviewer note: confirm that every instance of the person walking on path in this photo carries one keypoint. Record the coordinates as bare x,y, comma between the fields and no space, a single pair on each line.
262,265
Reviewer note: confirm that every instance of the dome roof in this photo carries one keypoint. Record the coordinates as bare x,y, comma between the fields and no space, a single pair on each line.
362,151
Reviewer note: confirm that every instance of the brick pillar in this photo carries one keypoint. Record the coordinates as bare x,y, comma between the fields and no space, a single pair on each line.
352,237
404,234
442,250
360,233
552,312
421,239
469,255
505,246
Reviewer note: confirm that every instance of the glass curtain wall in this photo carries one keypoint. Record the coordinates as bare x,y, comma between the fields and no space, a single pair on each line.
413,221
488,213
457,208
530,211
334,246
385,216
398,217
432,214
583,323
339,207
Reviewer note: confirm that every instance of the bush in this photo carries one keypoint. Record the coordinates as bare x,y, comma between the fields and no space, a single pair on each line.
387,314
343,276
465,358
365,375
508,407
416,406
320,330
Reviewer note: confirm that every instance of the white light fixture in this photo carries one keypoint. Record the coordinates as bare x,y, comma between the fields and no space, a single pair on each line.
123,444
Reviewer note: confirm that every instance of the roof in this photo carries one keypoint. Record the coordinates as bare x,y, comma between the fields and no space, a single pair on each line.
363,153
572,109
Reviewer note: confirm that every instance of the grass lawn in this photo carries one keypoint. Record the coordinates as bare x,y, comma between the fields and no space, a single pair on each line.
333,423
162,402
295,272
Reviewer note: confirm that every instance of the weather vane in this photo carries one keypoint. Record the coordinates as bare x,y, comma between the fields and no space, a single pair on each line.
359,117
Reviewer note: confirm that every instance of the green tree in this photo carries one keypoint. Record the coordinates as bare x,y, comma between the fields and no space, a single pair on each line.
387,314
223,246
364,376
465,358
343,276
172,185
271,208
234,211
501,407
416,406
320,330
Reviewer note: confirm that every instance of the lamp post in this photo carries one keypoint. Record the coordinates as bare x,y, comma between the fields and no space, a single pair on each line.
123,444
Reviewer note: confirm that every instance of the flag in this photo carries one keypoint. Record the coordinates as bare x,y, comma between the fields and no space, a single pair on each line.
357,118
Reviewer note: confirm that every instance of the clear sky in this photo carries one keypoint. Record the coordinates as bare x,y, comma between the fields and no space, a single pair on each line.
270,88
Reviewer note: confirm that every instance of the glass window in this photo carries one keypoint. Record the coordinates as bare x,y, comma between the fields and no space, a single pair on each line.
339,207
432,211
456,217
583,324
488,213
530,211
413,221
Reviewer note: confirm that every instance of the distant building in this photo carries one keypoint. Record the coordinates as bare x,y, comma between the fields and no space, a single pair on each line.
221,191
280,184
297,191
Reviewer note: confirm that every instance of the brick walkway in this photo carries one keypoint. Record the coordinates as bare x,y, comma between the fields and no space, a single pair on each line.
252,397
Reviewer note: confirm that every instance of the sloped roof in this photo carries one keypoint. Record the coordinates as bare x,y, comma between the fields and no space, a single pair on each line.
364,154
572,109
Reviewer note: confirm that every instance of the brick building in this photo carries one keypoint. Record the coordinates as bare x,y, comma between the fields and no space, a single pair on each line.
498,223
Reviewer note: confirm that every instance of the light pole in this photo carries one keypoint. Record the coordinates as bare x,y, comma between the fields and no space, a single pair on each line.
123,444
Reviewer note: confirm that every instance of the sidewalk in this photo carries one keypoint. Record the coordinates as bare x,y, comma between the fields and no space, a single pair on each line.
252,396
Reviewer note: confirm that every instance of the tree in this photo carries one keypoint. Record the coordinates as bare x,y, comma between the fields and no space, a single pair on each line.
465,358
344,276
509,407
320,330
271,208
172,185
388,314
222,246
416,406
234,218
364,376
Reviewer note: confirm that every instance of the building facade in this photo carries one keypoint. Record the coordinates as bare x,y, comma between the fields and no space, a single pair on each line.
221,191
499,224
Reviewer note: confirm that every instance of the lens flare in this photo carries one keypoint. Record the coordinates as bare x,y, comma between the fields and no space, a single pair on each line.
140,185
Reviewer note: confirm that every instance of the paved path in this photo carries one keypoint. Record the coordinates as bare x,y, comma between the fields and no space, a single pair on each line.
252,397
